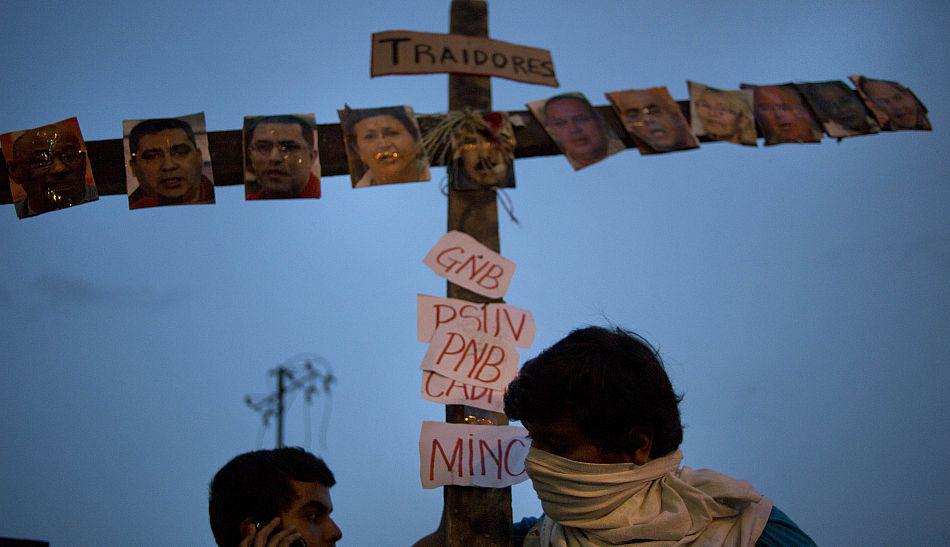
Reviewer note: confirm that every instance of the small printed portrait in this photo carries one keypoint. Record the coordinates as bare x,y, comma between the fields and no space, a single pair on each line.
483,152
783,115
838,108
654,119
895,107
383,146
48,168
281,160
721,114
167,162
577,128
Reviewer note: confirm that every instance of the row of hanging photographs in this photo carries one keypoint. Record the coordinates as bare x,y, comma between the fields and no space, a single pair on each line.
168,160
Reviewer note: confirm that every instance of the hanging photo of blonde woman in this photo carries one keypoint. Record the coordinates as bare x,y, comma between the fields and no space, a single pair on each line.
383,146
722,115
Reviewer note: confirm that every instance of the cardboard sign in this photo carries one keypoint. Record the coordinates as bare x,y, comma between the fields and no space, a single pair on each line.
498,320
472,455
407,52
472,357
439,389
461,259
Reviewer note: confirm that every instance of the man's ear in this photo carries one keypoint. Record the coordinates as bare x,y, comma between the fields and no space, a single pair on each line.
642,439
248,527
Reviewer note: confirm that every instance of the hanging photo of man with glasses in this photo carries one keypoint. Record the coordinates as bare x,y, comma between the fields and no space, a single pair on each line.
49,168
654,119
281,160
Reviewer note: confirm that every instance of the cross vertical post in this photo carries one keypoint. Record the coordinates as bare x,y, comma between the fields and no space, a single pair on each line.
473,516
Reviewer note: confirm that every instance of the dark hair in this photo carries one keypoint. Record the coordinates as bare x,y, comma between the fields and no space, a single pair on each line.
351,117
611,382
862,81
257,485
570,97
305,128
149,127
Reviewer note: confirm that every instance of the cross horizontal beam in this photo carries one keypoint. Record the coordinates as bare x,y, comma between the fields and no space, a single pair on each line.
108,161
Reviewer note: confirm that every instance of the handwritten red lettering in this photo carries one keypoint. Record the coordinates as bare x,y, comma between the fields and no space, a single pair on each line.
482,445
457,452
508,454
428,381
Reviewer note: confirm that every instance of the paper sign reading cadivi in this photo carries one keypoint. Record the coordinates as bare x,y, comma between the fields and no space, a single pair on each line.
461,259
498,320
472,455
439,389
472,357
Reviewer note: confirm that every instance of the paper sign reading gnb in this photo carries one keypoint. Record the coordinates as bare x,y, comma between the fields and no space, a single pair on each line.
461,259
472,455
498,320
472,357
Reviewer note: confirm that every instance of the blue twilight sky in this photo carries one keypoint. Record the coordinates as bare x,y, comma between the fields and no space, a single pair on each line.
799,293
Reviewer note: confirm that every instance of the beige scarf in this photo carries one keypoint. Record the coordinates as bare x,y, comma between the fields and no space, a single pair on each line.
655,504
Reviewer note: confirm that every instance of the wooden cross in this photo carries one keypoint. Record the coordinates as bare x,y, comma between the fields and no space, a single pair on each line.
471,516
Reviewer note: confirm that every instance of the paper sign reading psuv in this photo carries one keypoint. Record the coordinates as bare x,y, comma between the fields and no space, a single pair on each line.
472,455
472,357
498,320
461,259
439,389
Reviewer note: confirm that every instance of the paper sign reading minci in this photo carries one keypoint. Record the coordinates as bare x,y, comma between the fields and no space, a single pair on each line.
472,357
407,52
472,455
461,259
439,389
498,320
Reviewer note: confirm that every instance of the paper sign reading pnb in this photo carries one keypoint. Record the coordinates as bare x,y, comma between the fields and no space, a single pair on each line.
407,52
498,320
439,389
461,259
472,357
472,455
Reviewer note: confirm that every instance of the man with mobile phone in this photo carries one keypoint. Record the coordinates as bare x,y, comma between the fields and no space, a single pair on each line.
273,498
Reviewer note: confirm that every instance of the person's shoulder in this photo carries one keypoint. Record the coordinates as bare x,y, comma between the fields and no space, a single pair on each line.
522,529
781,531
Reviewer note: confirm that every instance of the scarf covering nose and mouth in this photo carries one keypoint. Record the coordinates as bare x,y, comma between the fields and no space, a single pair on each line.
655,504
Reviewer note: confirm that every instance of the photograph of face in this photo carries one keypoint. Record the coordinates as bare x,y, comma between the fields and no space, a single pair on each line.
484,156
383,146
838,108
281,160
48,167
167,162
783,115
578,130
722,115
894,106
654,119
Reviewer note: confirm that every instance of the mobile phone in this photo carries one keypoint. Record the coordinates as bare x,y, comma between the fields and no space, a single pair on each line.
297,543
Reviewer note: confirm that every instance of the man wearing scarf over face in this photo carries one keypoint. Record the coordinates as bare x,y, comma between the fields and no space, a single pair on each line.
605,460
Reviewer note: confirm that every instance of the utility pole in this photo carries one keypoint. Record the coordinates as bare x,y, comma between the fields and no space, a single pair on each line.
292,376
